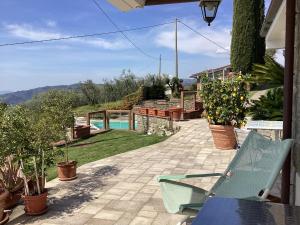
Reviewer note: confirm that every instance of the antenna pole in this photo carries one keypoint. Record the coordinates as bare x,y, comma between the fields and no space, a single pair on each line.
176,47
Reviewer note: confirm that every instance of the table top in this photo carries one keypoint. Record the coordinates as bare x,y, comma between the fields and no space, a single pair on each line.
264,125
227,211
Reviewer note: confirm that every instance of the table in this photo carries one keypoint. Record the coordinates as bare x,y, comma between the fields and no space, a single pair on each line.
228,211
277,126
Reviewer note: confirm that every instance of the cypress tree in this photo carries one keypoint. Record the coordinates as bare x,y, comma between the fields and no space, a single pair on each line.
247,46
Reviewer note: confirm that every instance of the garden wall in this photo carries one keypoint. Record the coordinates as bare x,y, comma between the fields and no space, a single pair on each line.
155,125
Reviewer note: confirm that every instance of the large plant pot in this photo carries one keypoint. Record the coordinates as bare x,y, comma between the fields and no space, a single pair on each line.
67,170
163,113
13,199
176,113
152,112
223,136
143,111
36,205
3,216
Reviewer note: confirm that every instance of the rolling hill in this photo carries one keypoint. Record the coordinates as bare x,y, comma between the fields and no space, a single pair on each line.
18,97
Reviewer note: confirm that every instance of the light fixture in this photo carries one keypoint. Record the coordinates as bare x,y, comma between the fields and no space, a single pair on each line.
209,9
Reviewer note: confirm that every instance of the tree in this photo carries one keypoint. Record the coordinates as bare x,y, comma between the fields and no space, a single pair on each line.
247,46
91,92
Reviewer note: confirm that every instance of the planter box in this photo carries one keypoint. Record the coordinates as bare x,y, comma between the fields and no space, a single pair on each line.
163,113
176,113
143,111
152,112
82,132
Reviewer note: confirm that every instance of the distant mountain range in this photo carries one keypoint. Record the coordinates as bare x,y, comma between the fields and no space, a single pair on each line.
4,92
18,97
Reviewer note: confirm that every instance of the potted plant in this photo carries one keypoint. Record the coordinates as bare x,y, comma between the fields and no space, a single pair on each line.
225,104
9,168
66,169
37,155
56,106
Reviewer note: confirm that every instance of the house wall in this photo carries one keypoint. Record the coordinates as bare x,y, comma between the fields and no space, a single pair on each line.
296,116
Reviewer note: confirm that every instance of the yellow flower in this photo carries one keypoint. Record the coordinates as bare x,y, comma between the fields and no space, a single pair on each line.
242,98
233,94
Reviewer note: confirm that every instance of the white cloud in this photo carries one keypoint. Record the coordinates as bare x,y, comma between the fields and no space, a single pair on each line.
51,23
30,33
192,43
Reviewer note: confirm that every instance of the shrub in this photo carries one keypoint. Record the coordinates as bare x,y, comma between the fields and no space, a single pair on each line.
269,106
154,87
225,101
271,73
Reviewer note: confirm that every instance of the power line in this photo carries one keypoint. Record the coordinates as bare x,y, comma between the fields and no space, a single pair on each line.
83,36
124,35
208,39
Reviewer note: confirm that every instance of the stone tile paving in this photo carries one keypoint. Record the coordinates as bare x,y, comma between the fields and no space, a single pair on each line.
122,190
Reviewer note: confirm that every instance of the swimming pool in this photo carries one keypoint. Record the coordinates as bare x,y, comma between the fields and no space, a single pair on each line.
113,124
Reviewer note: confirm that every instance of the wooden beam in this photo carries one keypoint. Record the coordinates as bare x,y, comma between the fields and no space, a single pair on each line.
161,2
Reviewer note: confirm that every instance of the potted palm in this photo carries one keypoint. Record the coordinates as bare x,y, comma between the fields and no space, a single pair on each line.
11,181
225,105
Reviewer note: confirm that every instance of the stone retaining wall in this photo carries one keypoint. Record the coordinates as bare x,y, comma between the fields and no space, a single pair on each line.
155,125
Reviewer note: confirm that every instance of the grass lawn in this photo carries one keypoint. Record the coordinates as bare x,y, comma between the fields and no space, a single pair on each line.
105,145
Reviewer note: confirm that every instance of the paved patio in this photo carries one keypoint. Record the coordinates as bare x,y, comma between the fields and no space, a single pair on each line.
123,190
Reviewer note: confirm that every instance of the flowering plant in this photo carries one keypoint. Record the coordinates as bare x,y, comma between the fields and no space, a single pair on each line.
225,101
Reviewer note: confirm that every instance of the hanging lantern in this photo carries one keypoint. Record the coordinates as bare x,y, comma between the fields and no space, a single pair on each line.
209,9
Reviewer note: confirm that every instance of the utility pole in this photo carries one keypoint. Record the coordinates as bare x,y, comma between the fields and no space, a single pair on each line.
159,68
176,48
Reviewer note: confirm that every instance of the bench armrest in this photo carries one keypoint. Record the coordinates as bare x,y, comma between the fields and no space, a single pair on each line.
185,176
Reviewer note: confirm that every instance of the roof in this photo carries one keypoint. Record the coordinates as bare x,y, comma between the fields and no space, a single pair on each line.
271,14
215,70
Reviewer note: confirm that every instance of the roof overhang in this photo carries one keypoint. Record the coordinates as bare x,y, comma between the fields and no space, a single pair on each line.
274,25
127,5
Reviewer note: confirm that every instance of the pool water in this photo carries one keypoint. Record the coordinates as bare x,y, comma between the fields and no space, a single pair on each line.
113,124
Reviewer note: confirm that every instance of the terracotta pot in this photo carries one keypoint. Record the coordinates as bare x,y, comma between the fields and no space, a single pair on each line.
13,199
143,111
3,197
223,136
176,113
163,113
152,112
35,205
67,170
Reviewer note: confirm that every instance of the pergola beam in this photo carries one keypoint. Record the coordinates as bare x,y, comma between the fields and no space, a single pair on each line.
161,2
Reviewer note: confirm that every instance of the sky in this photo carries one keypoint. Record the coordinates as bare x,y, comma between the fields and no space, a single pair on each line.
98,58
